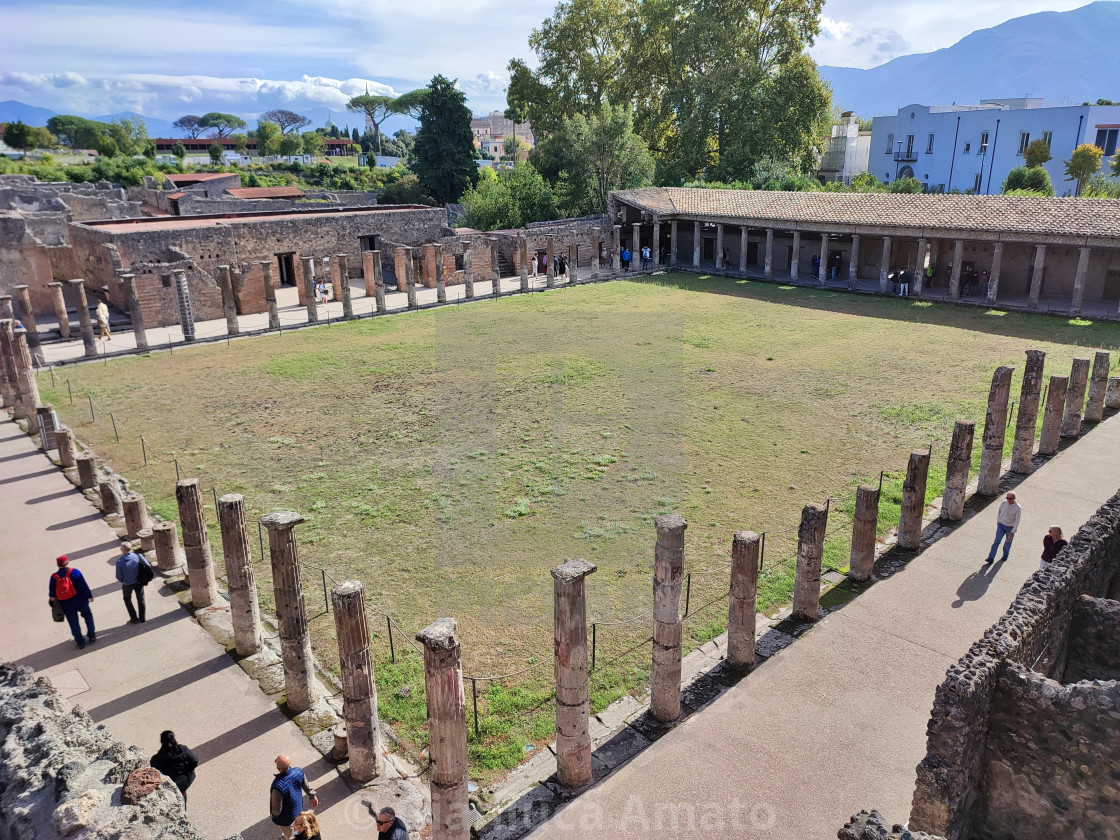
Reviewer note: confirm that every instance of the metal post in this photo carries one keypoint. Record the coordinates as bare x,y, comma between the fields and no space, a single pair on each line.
176,469
326,597
392,648
70,391
762,553
260,537
880,481
52,376
594,641
214,491
115,433
687,593
144,447
474,695
92,413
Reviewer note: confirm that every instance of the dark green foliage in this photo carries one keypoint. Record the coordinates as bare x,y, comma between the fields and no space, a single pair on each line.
444,144
1027,180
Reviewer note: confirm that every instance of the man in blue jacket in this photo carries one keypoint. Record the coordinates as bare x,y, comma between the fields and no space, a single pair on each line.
69,588
286,795
128,574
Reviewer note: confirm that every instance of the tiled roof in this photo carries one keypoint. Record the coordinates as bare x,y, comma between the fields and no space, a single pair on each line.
266,192
182,180
1096,217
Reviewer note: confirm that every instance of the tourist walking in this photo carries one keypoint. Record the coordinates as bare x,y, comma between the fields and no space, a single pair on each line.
562,267
306,827
133,573
286,795
624,258
1007,523
175,761
645,258
1052,543
904,283
69,588
390,826
103,321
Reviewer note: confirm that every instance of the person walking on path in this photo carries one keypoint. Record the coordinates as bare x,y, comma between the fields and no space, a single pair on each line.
286,795
1007,523
133,577
103,321
1052,543
69,588
306,826
175,761
390,826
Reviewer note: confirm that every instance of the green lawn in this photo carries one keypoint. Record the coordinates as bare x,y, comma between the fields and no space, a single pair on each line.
449,458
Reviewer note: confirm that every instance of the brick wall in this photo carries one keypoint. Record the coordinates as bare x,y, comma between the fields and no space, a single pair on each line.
249,289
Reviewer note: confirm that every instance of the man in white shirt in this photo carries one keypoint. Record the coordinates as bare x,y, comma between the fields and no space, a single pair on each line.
1007,523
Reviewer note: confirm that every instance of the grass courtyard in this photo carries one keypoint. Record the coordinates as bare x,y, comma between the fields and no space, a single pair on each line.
449,458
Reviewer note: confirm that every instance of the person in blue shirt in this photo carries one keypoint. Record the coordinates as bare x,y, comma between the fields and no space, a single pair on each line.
286,795
128,573
69,588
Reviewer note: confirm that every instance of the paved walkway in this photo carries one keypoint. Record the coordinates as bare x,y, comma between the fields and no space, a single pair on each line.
837,722
167,673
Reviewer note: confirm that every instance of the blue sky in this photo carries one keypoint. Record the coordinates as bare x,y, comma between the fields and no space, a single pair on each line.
166,59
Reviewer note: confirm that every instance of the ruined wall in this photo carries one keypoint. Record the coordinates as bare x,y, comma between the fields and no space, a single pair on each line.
1094,641
63,774
870,825
155,290
249,289
1051,760
24,261
1033,633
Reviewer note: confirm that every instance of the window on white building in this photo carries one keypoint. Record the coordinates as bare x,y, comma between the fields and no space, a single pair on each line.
967,147
1106,140
1024,141
976,183
1048,138
983,150
929,145
890,143
909,146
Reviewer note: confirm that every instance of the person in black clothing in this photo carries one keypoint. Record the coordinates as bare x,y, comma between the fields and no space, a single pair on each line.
175,761
390,826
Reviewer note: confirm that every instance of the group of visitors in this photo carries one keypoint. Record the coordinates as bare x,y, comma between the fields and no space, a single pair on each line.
1007,524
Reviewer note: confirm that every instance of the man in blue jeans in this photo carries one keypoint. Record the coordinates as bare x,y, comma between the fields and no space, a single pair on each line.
71,591
128,573
1007,523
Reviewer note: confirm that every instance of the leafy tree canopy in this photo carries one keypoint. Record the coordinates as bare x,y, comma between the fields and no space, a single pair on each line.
189,124
444,150
1085,160
1037,153
1027,180
222,124
268,137
287,120
77,132
600,154
511,198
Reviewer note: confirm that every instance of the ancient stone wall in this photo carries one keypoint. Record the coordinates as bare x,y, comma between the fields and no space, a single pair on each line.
1094,641
63,775
870,825
24,260
1051,759
155,289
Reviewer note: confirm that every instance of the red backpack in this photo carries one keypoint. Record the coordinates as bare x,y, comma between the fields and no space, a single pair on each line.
63,586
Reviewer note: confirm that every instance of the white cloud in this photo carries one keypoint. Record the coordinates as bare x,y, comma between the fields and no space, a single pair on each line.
834,29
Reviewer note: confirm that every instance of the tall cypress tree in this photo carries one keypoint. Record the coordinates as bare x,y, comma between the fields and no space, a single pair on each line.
444,151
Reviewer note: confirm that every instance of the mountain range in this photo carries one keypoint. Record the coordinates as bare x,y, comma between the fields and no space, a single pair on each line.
1065,58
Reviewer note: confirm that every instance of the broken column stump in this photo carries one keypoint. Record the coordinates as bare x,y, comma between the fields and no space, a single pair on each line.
1052,415
913,500
196,543
668,575
995,429
1027,420
359,691
447,729
573,709
743,605
87,471
110,490
135,515
861,559
244,608
810,552
956,473
1098,383
170,557
1075,398
291,611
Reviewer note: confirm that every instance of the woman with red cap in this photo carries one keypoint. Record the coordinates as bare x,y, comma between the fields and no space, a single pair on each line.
69,589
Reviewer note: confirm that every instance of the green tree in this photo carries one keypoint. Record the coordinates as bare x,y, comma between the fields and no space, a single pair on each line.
357,138
509,199
242,146
20,136
179,150
313,143
287,120
406,190
905,185
215,151
129,134
602,154
1116,166
1086,160
268,138
78,132
223,124
1036,154
444,144
1027,180
411,103
376,108
190,125
291,144
866,182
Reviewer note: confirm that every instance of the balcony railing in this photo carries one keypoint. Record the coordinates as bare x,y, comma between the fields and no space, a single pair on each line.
905,157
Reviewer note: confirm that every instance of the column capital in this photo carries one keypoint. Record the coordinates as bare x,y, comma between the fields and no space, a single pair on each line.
571,571
441,634
280,520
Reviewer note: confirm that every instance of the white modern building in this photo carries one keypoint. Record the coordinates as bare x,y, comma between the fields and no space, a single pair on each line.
971,148
847,152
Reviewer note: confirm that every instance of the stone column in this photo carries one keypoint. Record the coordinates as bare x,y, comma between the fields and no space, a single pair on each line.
147,542
743,606
955,276
183,298
810,551
995,429
768,262
196,543
956,473
26,383
719,247
87,471
45,414
1075,398
673,242
1079,280
59,301
85,323
795,256
1112,395
410,278
441,285
135,515
495,268
6,308
523,260
573,263
342,265
67,453
169,554
668,575
913,500
229,303
744,243
332,275
569,623
110,491
636,244
885,267
244,609
309,289
371,266
1098,382
921,259
359,691
549,257
291,612
853,262
596,244
822,272
993,278
1052,415
1027,420
23,295
9,376
655,249
1039,271
861,560
270,295
697,241
135,314
468,272
447,729
616,236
